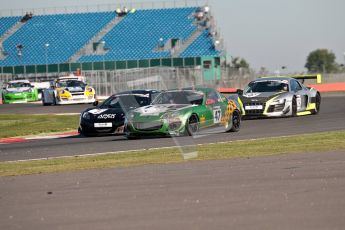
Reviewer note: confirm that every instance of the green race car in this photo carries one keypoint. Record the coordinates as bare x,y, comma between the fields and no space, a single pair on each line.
19,91
184,112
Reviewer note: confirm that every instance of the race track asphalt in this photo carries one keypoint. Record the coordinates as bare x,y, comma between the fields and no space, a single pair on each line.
296,191
331,117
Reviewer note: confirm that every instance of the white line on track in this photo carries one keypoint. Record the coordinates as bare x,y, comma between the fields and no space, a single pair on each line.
141,150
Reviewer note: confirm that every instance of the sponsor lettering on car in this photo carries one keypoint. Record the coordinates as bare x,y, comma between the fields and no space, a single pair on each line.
107,116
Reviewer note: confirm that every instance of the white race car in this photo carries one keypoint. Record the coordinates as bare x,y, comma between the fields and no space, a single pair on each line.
279,97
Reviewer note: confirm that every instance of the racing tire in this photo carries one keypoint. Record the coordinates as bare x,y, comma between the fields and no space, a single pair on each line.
45,104
317,104
54,101
294,107
43,101
192,125
235,122
86,134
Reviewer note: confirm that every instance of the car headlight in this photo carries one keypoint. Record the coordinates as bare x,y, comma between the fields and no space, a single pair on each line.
278,102
171,117
173,120
86,116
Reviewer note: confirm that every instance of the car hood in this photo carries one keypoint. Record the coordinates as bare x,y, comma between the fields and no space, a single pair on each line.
74,89
18,90
159,110
260,97
106,114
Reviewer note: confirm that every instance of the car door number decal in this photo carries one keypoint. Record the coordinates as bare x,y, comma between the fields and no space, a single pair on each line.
217,116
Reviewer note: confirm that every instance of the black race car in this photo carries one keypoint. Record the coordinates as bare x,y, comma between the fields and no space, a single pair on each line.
109,117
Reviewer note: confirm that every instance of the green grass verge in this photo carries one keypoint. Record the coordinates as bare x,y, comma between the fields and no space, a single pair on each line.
14,125
321,142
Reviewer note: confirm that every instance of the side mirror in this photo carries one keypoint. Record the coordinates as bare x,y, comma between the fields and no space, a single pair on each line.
239,91
210,102
95,103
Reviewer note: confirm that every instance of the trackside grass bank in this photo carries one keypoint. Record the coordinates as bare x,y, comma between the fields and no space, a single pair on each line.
14,125
320,142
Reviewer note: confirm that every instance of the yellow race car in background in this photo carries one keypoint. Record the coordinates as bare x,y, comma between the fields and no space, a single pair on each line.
69,90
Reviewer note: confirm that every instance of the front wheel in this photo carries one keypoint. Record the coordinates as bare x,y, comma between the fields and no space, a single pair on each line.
294,107
317,104
235,122
192,125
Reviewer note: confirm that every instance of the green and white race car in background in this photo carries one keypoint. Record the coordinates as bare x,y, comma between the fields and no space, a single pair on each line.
19,91
184,112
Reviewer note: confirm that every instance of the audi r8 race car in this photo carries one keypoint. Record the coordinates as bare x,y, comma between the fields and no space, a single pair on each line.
280,96
69,90
109,117
184,112
19,91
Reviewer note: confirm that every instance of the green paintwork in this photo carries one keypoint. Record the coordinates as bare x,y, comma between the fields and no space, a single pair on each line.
172,119
19,97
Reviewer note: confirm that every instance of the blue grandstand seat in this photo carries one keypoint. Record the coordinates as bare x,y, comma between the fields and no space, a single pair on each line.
65,34
7,22
202,46
135,37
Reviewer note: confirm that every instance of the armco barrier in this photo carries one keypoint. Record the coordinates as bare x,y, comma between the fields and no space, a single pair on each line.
227,90
329,87
324,88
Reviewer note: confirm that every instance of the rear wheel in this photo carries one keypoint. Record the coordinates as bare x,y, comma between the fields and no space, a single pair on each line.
294,107
43,101
235,122
317,104
192,125
54,99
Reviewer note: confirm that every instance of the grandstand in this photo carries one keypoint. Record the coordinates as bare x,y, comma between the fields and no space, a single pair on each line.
52,43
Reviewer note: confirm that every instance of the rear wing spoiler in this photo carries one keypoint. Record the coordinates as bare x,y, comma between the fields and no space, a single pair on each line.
303,77
230,91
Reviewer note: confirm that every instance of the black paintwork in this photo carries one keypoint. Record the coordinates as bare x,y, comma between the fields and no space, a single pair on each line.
114,115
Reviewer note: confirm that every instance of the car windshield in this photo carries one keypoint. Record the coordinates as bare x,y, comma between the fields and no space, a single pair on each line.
126,101
18,85
179,97
71,83
266,86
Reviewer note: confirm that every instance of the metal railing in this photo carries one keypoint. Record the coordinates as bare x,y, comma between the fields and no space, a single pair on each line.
103,7
107,83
